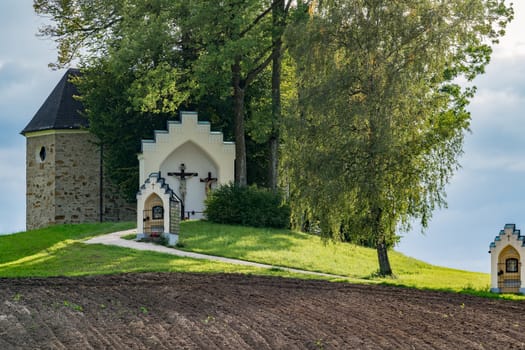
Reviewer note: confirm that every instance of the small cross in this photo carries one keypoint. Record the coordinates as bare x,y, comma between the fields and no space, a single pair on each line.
208,182
182,174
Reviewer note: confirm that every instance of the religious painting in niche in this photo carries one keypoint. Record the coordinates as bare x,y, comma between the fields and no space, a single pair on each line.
157,212
511,265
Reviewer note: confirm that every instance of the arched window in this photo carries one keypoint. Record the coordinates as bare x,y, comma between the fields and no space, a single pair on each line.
511,265
41,155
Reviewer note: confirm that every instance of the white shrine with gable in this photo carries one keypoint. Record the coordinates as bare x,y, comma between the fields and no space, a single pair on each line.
190,160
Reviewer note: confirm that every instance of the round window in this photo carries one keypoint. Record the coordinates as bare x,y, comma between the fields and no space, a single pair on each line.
42,154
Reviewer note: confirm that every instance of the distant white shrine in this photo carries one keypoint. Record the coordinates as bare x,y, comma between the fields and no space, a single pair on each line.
507,273
177,170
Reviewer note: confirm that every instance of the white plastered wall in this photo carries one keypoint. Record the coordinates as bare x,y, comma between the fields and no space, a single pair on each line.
193,143
152,187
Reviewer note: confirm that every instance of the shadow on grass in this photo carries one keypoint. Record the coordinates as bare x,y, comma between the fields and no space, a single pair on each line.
25,244
236,241
79,259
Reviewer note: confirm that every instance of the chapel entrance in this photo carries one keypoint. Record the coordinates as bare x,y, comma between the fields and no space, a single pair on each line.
153,217
509,271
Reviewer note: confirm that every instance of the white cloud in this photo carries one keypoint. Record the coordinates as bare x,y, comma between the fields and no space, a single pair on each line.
513,43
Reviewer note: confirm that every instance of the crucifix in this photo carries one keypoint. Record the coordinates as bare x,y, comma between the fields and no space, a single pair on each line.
182,175
208,182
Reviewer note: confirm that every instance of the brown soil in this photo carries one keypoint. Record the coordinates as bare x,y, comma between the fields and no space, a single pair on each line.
188,311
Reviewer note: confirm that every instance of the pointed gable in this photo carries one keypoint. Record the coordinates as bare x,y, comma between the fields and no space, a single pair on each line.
60,110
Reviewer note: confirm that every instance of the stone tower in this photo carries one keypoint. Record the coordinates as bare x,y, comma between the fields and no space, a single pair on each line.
65,181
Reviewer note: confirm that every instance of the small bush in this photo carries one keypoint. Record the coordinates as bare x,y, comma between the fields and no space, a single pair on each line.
247,206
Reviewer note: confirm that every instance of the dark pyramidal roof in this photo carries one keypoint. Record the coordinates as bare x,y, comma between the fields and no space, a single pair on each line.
60,110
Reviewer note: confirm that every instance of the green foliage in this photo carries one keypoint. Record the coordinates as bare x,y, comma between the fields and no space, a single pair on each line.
120,129
235,49
225,33
248,206
348,234
155,57
132,88
380,119
79,26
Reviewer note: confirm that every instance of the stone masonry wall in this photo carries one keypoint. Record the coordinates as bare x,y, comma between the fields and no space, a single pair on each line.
115,207
64,187
77,174
40,181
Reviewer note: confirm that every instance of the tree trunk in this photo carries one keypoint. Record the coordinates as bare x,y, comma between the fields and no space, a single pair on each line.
278,14
276,118
274,161
382,256
381,246
238,111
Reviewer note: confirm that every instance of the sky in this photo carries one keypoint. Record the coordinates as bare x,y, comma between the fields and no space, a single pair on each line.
485,194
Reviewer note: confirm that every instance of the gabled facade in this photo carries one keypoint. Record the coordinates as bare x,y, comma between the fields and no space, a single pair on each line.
506,254
178,169
191,159
158,210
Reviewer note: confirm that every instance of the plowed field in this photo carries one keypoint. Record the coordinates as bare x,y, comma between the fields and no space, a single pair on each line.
188,311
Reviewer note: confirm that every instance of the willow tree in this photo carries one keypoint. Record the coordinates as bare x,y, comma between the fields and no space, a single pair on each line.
380,117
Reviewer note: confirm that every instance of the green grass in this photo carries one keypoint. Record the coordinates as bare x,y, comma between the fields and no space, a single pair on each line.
59,251
293,249
26,244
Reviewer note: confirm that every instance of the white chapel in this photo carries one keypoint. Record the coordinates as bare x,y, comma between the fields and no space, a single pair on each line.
177,170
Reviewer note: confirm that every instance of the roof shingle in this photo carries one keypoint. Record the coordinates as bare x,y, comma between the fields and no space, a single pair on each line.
60,110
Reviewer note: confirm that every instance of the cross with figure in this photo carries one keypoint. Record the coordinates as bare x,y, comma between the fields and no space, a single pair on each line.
208,182
182,175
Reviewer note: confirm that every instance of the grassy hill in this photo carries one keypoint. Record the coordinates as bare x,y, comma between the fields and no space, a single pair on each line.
59,251
308,252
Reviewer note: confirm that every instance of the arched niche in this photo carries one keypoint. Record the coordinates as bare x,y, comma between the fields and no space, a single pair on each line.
153,215
507,253
509,270
195,160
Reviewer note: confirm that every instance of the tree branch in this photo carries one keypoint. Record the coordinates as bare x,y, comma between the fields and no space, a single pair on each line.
254,72
257,20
